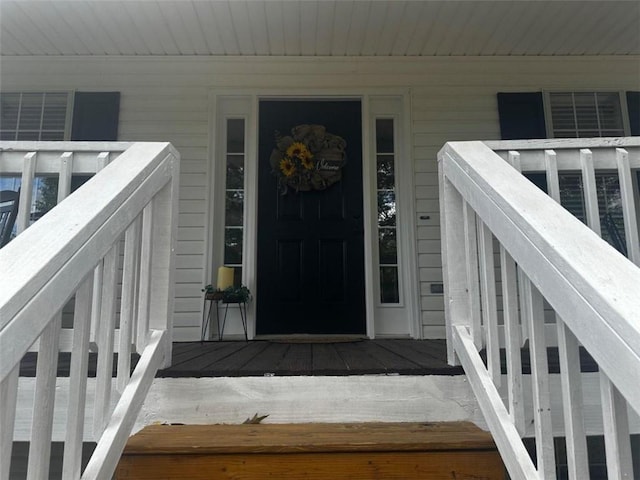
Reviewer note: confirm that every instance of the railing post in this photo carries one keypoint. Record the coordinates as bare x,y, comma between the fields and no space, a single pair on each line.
165,223
457,305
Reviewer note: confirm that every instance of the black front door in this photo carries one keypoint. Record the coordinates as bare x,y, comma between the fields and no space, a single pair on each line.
310,275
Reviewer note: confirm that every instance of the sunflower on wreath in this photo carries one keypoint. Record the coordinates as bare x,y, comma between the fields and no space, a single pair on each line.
309,159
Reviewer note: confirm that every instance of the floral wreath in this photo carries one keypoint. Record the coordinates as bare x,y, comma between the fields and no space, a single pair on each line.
308,159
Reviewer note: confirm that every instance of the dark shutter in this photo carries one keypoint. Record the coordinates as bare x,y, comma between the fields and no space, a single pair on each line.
633,107
95,116
521,116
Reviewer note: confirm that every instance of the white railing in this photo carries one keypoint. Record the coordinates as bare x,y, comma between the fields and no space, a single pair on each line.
544,254
127,213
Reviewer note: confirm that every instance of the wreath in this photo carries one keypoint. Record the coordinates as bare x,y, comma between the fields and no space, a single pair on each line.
308,159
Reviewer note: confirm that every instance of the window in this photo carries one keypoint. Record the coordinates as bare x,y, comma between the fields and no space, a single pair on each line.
585,114
387,227
38,116
33,116
591,114
234,199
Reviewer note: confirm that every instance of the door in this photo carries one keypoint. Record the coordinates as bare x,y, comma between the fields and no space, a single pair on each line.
310,271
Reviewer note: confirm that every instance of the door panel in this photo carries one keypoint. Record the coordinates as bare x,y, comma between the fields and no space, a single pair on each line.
310,244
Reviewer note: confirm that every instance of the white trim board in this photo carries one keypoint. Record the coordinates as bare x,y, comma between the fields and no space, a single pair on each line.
303,399
365,398
392,103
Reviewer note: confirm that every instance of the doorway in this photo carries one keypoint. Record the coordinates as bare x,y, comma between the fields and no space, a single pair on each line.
310,242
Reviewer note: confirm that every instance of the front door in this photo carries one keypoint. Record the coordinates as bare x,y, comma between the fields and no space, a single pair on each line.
310,275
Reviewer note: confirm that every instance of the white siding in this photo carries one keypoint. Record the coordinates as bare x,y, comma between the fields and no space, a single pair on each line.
452,98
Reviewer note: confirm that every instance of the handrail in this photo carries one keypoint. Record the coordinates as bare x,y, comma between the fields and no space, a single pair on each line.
545,253
74,252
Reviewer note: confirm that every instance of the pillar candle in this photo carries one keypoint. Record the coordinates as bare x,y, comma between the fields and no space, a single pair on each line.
225,278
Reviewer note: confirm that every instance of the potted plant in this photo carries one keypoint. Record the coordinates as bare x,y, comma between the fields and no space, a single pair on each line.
233,294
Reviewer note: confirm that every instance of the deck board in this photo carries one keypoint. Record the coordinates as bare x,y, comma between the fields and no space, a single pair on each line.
325,359
297,360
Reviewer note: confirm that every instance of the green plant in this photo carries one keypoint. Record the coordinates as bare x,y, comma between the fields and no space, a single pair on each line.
230,294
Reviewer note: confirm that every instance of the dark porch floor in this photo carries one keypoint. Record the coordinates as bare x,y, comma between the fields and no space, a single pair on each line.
260,358
265,358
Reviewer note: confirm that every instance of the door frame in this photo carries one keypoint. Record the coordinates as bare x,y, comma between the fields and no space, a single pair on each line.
248,101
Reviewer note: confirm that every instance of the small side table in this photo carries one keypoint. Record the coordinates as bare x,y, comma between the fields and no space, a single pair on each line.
215,299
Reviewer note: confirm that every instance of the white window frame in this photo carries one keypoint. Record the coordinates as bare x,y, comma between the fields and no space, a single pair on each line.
68,113
546,96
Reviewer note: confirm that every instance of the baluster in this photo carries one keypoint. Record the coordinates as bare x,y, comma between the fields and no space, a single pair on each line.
572,404
8,401
26,192
127,309
104,371
64,178
72,461
471,249
617,441
540,386
44,400
512,339
144,293
513,157
570,375
628,206
102,160
590,191
488,297
553,179
96,302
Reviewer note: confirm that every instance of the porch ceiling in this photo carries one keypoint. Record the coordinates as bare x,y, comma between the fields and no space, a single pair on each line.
319,27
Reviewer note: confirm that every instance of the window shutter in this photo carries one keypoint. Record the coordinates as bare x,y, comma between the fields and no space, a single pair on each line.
521,115
95,116
633,107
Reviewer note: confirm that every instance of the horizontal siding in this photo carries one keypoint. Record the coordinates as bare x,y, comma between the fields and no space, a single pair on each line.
452,98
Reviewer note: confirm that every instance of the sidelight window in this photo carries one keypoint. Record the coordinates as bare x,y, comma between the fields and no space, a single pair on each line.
387,225
234,196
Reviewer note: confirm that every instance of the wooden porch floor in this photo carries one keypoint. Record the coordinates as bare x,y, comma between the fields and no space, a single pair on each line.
265,358
260,358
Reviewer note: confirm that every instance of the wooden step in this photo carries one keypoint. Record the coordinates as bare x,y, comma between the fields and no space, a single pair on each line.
453,450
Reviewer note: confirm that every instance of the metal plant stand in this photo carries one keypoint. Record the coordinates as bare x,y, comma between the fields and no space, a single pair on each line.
214,301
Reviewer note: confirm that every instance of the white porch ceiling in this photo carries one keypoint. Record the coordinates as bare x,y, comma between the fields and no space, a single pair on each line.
319,27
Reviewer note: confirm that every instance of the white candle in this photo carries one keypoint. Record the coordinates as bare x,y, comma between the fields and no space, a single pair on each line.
225,278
